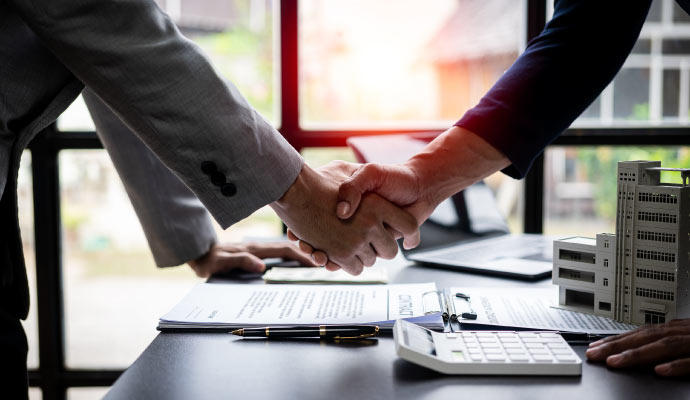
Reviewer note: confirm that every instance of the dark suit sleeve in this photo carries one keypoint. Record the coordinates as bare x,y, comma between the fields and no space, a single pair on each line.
561,72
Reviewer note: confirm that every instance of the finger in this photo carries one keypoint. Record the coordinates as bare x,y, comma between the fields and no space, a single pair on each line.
243,260
674,368
291,236
664,349
363,180
354,266
305,247
319,257
367,255
620,336
639,338
402,222
290,252
384,244
331,266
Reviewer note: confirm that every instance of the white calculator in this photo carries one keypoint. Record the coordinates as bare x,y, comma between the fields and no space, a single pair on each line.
486,352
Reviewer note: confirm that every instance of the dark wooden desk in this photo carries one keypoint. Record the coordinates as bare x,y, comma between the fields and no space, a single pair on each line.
210,366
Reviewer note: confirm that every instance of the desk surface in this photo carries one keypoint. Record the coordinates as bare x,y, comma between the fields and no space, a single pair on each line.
213,365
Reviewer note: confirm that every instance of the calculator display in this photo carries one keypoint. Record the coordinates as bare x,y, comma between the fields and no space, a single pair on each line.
419,339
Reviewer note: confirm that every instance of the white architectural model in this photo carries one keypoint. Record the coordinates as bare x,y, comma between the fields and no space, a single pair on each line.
641,274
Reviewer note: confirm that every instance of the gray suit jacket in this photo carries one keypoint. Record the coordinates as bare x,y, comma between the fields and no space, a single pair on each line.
177,226
157,82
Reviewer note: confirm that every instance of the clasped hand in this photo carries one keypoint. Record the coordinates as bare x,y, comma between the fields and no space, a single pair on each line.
308,208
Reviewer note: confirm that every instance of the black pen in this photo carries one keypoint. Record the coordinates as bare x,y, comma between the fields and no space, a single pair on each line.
320,331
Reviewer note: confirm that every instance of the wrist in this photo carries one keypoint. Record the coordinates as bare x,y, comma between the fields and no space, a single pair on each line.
296,194
453,161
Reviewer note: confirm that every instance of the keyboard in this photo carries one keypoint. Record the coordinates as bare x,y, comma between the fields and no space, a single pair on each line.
486,352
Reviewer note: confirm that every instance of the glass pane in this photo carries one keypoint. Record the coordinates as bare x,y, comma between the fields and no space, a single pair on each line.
35,393
381,63
86,393
26,224
580,184
237,36
114,294
652,87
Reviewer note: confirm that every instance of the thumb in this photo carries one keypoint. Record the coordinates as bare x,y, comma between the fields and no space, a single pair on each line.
365,179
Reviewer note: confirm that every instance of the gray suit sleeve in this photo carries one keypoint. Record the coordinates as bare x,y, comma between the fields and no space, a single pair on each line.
177,226
165,90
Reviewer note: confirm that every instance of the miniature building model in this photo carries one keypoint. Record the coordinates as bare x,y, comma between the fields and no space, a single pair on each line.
641,274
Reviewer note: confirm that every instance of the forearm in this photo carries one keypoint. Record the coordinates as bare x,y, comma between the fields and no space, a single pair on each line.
453,161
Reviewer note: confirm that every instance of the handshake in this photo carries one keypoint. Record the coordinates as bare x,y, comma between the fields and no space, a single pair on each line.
346,215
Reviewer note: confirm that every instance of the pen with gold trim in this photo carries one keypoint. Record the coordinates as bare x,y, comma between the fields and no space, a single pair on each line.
316,331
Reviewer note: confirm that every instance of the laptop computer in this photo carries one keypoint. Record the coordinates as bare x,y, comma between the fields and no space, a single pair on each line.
466,232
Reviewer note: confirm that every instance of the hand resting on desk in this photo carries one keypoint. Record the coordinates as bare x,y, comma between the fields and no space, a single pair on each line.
667,346
247,256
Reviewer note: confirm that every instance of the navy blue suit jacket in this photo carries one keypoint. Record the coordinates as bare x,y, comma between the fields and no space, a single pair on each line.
559,75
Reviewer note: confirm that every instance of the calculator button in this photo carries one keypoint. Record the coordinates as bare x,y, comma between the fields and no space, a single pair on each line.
542,358
451,335
559,345
509,339
473,350
495,357
549,335
518,357
566,358
506,334
493,351
534,345
512,345
550,340
515,351
490,345
527,334
467,334
561,351
531,340
538,351
476,357
485,334
472,345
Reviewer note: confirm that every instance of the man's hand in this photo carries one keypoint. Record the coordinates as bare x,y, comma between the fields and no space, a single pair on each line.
308,209
667,346
454,160
247,256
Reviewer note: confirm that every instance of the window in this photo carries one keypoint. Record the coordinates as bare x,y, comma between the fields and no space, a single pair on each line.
604,306
354,58
606,262
653,317
571,191
606,281
585,203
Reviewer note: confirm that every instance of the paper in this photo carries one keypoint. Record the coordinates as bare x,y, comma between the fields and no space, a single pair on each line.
227,305
531,308
322,275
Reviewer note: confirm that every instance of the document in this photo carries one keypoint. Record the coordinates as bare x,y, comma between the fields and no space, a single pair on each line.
227,305
322,275
530,308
